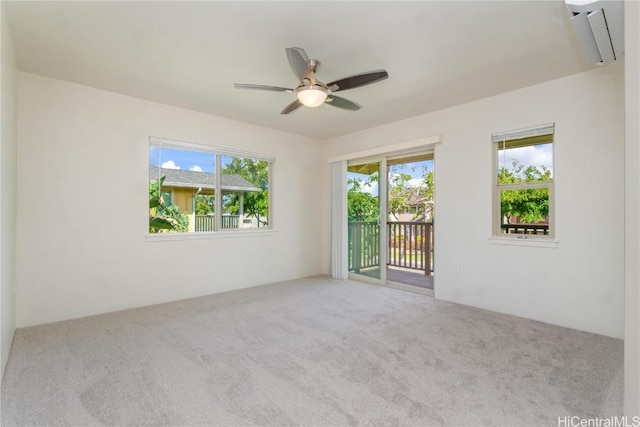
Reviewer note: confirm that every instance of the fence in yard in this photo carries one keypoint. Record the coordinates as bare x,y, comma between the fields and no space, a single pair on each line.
208,223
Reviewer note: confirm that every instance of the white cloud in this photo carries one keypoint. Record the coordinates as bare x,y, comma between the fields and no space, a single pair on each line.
372,189
411,183
415,182
170,164
539,155
195,168
366,186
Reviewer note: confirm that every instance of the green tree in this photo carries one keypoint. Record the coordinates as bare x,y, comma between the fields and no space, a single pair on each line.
530,204
205,204
163,217
425,195
403,197
399,193
361,205
255,204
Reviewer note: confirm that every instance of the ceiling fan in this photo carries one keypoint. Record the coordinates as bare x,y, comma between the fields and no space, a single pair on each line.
312,92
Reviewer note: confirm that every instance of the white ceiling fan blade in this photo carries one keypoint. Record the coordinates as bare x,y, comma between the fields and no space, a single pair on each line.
262,87
291,107
299,62
336,101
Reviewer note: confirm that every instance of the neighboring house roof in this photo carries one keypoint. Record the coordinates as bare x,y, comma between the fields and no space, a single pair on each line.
193,179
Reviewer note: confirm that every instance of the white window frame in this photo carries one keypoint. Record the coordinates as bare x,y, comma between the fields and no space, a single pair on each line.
217,152
498,237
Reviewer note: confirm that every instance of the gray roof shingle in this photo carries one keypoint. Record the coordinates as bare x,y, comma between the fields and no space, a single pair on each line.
193,179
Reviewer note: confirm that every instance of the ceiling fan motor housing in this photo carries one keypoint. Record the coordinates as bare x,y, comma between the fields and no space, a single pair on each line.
313,65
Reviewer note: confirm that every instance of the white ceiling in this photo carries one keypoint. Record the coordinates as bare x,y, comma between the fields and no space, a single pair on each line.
189,54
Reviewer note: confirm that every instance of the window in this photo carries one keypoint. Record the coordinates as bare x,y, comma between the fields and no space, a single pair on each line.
195,189
167,197
523,183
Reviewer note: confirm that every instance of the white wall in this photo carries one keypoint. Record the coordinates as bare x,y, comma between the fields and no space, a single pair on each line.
83,205
7,190
580,283
632,220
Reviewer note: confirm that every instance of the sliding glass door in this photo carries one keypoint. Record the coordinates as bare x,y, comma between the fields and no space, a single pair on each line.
366,201
410,201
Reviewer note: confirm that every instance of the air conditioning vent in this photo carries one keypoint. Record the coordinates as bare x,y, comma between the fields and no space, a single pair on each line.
599,26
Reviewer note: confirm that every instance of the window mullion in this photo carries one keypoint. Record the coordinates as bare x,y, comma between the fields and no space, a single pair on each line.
270,200
525,185
218,192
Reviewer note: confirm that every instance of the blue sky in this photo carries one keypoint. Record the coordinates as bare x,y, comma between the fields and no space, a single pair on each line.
532,155
415,169
173,158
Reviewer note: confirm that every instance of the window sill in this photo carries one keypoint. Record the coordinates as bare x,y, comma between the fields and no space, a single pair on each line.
530,242
165,237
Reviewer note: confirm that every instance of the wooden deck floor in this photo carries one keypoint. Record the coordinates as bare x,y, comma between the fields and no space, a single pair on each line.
404,276
410,277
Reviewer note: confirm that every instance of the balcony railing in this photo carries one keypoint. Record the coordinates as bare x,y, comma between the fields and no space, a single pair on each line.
540,229
208,222
364,250
410,245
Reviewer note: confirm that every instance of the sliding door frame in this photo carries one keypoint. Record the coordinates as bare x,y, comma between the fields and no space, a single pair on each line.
383,240
382,153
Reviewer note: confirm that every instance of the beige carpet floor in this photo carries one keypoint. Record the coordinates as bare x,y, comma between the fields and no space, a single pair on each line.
309,352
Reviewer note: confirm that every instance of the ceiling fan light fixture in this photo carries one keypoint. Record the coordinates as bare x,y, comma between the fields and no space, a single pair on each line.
312,96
